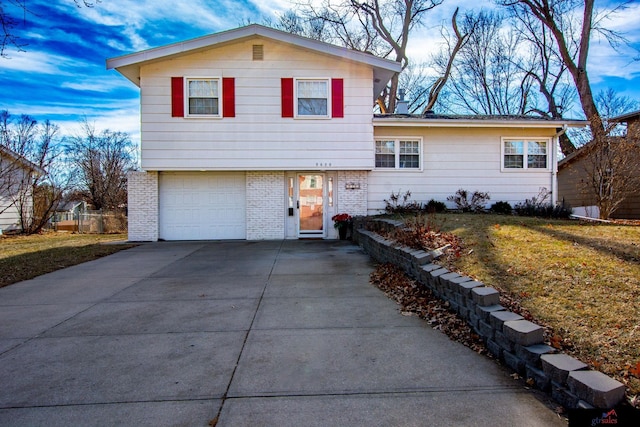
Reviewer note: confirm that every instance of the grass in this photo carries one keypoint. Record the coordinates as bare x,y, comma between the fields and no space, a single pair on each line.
580,280
26,257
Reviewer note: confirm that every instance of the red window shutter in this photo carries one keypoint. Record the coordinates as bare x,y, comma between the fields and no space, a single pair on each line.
228,97
287,97
337,98
177,97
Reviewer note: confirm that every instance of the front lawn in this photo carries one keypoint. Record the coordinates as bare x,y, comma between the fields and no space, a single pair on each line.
25,257
581,280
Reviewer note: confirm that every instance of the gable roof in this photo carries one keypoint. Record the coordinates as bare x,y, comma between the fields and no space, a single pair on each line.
23,162
473,120
129,65
626,116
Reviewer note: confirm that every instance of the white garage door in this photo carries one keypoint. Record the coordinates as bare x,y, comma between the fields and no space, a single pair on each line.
202,205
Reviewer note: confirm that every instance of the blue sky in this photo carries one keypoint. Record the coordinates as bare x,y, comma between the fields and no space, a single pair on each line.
61,75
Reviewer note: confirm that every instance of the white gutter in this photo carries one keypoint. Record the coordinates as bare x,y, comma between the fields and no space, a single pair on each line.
554,169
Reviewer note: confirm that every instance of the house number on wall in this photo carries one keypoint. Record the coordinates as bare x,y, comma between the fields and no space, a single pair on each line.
323,165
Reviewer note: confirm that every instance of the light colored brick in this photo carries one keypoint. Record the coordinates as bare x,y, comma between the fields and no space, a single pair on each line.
352,201
142,190
265,197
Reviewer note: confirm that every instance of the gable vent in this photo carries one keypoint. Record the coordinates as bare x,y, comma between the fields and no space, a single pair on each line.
258,52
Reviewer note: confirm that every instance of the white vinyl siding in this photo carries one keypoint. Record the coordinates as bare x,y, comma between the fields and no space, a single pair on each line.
258,138
455,158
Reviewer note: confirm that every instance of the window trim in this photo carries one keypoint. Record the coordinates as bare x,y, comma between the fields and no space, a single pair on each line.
525,165
329,98
396,149
187,114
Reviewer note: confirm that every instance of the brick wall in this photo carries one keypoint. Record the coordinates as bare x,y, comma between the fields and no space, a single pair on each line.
352,200
143,206
265,205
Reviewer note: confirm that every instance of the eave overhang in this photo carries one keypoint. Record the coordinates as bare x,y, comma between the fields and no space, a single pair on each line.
129,65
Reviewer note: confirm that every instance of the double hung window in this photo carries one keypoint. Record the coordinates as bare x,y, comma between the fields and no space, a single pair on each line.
525,154
203,97
312,96
398,154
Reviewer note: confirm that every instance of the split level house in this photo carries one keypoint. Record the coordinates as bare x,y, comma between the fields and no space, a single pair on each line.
255,133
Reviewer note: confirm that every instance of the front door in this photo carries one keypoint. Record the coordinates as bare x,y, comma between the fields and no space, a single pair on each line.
311,205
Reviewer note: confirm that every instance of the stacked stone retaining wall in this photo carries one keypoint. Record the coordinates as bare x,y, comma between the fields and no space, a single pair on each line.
515,341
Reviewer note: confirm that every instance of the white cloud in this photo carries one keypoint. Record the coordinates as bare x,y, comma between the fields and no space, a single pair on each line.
37,62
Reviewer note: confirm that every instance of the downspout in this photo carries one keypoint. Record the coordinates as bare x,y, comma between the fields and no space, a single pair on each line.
554,168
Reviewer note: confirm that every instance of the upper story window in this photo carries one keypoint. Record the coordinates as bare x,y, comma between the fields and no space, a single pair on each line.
525,154
398,154
312,97
203,97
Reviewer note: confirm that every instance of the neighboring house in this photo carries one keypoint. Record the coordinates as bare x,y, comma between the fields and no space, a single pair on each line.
572,177
13,171
255,133
66,216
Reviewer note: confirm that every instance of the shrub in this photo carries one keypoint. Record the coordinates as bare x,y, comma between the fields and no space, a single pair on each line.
539,206
503,208
434,206
462,202
401,204
425,232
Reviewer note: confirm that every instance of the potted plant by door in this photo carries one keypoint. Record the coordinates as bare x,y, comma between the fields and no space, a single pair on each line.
343,223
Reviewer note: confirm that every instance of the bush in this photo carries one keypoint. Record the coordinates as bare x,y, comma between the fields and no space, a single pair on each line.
538,206
503,208
476,204
434,206
401,204
545,210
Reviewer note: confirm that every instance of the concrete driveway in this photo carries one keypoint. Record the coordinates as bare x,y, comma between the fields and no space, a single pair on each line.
276,333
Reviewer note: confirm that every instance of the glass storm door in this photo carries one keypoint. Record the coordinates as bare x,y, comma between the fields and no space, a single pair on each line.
311,205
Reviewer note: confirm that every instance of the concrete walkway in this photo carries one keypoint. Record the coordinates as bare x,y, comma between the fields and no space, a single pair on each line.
279,333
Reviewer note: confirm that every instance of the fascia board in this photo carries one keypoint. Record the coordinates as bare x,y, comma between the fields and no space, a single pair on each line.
457,123
129,65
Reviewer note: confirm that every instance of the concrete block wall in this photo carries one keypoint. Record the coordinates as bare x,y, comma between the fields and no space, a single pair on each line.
352,192
515,341
142,190
265,198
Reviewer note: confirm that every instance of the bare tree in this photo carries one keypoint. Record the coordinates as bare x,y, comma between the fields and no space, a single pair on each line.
546,67
382,27
488,76
101,161
611,104
12,14
31,177
427,96
572,25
